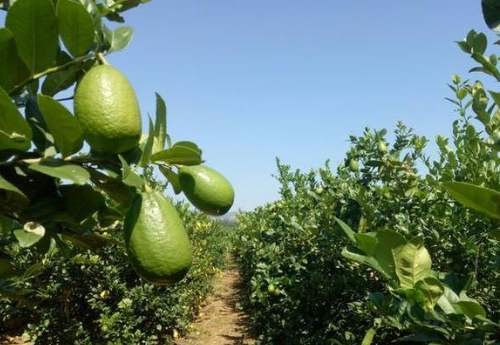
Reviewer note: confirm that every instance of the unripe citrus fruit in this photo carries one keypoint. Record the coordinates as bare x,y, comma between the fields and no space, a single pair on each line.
157,244
206,189
382,147
107,108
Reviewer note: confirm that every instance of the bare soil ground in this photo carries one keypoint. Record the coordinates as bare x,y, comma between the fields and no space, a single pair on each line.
220,322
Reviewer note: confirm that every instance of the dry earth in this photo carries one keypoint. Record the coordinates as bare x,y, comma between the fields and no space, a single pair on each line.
220,322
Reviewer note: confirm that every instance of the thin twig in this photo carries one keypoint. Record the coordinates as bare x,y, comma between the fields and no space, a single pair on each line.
48,71
65,99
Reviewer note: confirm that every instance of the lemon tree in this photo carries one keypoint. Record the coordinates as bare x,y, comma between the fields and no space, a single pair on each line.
75,162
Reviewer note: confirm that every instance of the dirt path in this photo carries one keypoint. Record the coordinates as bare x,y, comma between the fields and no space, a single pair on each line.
220,322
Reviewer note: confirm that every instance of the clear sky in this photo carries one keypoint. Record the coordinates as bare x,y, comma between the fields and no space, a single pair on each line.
253,80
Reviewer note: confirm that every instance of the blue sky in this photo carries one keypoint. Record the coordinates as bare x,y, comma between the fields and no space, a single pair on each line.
253,80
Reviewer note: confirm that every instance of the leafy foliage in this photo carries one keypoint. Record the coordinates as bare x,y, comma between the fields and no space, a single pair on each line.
380,244
94,297
63,265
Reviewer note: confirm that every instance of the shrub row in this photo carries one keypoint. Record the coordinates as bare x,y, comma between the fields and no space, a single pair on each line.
95,297
300,290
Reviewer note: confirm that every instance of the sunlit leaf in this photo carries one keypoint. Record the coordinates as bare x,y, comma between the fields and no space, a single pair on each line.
34,25
76,26
62,170
183,152
412,263
481,199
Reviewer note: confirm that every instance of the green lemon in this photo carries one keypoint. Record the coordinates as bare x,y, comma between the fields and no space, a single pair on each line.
206,189
354,165
382,147
158,246
107,108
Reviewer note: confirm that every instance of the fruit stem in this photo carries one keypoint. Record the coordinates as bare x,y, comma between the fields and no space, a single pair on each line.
102,59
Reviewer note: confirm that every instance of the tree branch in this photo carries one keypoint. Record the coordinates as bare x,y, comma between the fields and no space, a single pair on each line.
48,71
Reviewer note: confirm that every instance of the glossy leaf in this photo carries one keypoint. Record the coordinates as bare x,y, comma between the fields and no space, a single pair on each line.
148,146
412,263
61,80
65,128
88,241
429,291
347,230
481,199
471,309
15,132
34,25
81,201
62,170
160,130
120,38
129,177
183,152
379,245
366,260
12,69
173,178
369,335
76,27
31,234
6,185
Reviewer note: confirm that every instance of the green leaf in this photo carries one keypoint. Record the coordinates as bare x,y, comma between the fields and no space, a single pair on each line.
182,152
34,25
495,234
6,185
173,178
7,269
496,97
347,230
369,335
76,27
120,38
15,132
148,147
129,177
81,201
61,80
12,69
480,43
31,234
429,291
366,260
88,241
491,13
379,245
471,309
447,301
160,124
64,127
481,199
62,170
412,263
6,224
